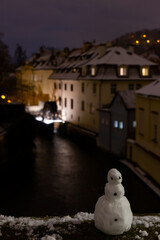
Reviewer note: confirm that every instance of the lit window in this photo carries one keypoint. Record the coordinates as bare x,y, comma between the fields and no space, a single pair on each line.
74,70
145,71
93,71
137,42
116,124
123,71
121,125
134,124
35,78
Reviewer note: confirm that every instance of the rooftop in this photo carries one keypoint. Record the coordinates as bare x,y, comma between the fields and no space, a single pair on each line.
120,56
152,89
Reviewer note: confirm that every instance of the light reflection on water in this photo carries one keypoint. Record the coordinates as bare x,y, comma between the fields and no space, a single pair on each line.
64,178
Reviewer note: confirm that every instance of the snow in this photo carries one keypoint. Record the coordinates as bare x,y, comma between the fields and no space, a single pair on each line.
31,224
151,90
120,56
143,233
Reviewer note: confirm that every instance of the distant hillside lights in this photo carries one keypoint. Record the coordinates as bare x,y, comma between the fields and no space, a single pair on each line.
148,41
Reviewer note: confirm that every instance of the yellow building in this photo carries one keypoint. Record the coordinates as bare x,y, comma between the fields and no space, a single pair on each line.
145,151
89,78
32,78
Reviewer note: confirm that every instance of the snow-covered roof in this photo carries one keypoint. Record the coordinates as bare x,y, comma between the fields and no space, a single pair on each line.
128,97
120,56
152,89
63,75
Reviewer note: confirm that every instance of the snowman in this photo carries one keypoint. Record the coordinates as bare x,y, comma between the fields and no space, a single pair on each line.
113,214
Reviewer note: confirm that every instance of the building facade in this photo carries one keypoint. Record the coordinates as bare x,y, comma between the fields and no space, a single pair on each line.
117,123
145,151
89,78
32,78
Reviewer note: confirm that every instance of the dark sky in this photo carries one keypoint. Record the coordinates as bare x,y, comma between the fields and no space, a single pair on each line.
67,23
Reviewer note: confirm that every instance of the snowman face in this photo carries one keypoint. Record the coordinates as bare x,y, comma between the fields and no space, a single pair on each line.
114,176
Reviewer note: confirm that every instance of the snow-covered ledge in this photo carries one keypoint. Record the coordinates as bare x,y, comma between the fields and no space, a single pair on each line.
74,227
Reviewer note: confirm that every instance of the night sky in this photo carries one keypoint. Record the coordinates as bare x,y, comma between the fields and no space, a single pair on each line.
67,23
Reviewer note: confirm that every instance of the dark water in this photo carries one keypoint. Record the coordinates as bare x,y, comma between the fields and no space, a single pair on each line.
63,177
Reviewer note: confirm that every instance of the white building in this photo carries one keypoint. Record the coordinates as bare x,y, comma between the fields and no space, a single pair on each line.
89,78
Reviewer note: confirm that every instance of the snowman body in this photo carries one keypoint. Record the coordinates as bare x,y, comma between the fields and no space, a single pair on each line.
113,214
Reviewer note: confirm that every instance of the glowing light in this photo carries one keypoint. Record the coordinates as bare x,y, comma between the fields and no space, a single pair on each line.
123,71
9,101
47,121
144,35
148,41
3,96
145,71
158,41
137,41
39,118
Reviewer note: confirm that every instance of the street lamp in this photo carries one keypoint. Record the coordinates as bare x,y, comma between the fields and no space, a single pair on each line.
3,96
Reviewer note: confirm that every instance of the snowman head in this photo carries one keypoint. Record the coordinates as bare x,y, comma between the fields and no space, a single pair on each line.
114,176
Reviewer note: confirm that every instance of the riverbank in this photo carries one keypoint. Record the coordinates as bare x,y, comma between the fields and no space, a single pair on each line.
81,226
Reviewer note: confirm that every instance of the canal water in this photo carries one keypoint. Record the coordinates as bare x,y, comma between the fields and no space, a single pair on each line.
61,177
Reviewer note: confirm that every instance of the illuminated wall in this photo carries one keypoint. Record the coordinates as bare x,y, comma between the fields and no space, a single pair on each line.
145,151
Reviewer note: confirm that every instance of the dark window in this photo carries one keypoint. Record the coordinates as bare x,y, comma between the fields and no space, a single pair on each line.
71,87
55,86
71,103
141,121
60,86
65,102
130,86
138,86
65,86
60,101
83,87
94,88
82,105
154,128
113,88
